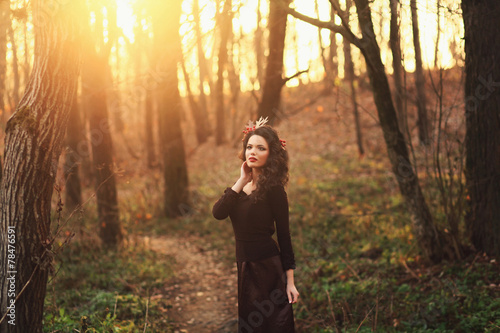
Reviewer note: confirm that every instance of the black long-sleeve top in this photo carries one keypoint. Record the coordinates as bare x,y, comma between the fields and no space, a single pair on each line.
253,224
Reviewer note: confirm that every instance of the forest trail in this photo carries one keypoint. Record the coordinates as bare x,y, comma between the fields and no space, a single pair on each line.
204,290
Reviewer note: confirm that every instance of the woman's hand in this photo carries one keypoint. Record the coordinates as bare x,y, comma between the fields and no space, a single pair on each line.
245,173
292,293
245,178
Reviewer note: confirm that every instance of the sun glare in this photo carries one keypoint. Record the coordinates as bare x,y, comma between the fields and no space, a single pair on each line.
126,18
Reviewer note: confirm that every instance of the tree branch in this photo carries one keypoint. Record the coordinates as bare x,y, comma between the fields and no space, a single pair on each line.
346,33
285,80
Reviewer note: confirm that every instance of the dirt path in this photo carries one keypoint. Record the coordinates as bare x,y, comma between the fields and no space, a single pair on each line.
204,292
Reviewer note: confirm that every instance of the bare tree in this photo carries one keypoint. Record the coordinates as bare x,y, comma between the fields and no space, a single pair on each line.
482,140
274,81
397,66
432,241
224,27
34,139
423,122
170,108
95,89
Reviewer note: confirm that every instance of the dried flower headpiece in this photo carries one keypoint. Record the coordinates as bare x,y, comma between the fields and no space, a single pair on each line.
259,123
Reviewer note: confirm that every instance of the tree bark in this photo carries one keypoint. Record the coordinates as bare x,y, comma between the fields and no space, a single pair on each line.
170,109
271,96
423,122
482,140
397,66
33,144
225,26
258,44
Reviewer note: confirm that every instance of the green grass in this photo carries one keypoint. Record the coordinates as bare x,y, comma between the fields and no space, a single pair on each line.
107,291
358,267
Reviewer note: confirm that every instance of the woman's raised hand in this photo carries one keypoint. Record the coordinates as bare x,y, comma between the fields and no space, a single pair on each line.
246,173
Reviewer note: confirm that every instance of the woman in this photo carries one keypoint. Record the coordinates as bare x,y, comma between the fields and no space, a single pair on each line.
266,289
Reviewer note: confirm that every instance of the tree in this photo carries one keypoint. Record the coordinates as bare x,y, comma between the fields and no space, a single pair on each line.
224,27
95,89
274,81
33,143
423,122
397,66
170,108
73,159
433,242
350,77
482,140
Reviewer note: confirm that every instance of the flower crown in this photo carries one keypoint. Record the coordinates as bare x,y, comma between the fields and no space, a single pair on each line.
259,123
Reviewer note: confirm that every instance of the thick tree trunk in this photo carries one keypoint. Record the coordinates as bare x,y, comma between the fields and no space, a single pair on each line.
34,138
271,96
423,122
170,109
349,75
225,26
397,66
432,242
73,160
482,105
4,24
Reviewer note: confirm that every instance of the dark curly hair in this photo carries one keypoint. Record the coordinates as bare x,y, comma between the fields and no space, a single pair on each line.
275,171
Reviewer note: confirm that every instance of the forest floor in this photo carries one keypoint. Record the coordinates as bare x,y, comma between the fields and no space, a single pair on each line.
359,268
203,290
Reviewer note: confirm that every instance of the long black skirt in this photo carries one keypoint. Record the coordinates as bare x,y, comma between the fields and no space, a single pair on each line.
262,301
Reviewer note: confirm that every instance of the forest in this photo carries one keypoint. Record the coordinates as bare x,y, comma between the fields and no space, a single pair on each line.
121,123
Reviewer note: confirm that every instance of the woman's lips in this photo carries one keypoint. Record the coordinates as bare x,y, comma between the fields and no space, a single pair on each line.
252,159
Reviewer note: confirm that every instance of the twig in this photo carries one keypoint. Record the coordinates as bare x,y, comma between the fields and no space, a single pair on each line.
331,310
147,310
410,271
472,264
364,319
350,267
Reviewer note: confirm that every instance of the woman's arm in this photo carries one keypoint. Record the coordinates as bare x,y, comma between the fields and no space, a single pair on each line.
223,206
291,291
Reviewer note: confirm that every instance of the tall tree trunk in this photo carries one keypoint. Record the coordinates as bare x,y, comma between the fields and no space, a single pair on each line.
333,55
438,33
397,66
95,86
73,160
148,122
225,26
34,138
170,109
482,140
4,24
271,96
203,72
259,52
349,75
432,241
423,122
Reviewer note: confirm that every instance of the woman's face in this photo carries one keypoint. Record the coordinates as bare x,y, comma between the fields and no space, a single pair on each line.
257,151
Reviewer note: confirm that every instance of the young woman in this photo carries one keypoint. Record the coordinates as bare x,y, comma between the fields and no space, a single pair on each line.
256,203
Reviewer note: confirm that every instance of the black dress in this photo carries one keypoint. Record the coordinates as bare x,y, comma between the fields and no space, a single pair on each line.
262,301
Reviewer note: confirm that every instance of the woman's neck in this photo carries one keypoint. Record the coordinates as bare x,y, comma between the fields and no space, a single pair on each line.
256,173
